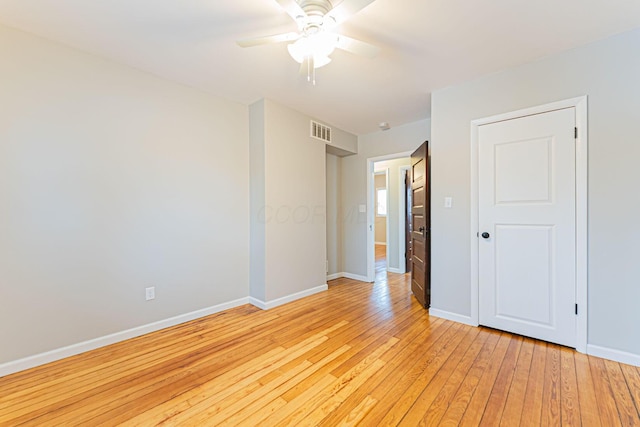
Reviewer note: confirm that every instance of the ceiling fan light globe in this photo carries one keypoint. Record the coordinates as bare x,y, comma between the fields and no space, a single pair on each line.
320,61
323,44
320,44
299,56
298,50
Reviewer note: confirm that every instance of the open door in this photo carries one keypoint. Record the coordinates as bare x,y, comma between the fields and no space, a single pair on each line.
420,226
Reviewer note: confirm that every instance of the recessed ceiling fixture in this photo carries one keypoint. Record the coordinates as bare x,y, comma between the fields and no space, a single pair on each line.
316,39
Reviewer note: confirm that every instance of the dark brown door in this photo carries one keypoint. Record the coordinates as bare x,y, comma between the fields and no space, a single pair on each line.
420,223
407,222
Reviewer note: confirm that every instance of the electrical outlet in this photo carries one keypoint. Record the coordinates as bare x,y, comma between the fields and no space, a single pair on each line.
150,293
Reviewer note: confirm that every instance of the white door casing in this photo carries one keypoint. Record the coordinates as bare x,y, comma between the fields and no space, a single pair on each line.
582,143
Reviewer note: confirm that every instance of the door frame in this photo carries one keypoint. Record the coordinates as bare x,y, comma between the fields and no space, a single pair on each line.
371,255
402,226
580,105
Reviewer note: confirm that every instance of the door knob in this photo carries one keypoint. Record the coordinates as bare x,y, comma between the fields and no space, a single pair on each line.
485,235
421,229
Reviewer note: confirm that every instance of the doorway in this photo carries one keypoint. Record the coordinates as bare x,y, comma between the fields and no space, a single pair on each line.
381,223
529,222
394,166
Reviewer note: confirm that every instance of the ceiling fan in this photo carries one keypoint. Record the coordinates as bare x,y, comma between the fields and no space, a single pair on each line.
316,38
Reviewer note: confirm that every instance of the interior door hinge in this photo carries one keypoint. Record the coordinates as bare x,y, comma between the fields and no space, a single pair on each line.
576,309
575,133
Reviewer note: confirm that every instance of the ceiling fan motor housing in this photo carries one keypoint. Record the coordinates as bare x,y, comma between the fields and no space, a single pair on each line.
315,7
315,19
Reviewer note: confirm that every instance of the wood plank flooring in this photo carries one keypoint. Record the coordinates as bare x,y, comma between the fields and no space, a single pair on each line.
360,354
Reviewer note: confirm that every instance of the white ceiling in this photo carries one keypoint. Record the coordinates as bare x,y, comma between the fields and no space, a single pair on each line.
425,45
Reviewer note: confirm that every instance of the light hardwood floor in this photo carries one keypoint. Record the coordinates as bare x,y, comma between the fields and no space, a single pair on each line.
359,354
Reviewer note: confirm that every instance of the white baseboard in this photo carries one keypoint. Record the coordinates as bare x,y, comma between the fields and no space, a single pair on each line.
451,316
348,276
381,243
355,277
395,270
71,350
592,350
266,305
612,354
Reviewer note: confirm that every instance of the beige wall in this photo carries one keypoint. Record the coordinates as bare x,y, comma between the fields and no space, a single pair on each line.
380,228
293,207
334,212
607,71
112,180
295,204
257,201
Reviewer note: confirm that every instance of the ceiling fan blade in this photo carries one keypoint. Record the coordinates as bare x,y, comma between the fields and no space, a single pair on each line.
292,8
357,47
278,38
346,9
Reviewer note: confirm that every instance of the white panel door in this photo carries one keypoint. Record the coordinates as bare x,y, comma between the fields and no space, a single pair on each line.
527,242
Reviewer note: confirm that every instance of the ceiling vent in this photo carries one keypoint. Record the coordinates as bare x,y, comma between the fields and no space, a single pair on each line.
320,131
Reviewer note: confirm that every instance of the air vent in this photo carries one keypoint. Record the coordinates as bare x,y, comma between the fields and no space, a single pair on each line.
320,131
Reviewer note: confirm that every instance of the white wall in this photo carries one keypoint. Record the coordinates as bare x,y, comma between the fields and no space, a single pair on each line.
334,212
354,185
607,71
112,180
